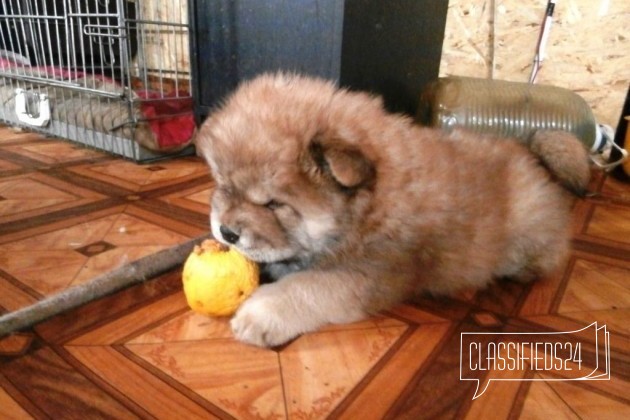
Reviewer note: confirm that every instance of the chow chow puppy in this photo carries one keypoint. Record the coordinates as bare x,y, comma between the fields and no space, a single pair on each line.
353,210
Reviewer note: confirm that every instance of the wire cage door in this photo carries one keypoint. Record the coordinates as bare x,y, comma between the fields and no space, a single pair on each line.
111,74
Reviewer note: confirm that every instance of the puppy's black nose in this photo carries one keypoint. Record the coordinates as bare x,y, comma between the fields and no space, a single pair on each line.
228,234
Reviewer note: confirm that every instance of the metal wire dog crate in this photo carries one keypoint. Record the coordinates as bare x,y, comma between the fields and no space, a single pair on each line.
110,74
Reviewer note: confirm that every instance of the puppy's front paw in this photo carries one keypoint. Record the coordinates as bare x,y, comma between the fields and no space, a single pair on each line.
263,320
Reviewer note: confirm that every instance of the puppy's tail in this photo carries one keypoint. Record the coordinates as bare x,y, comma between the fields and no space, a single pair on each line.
565,157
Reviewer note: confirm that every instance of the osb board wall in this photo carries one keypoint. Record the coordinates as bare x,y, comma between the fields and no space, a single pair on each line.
588,50
163,40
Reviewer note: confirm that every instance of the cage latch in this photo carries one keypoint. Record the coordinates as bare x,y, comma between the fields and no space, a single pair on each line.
24,104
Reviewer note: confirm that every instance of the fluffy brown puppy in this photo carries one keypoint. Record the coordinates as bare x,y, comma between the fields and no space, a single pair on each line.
353,209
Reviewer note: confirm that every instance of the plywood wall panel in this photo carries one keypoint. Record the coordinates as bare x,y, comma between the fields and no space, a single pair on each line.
588,50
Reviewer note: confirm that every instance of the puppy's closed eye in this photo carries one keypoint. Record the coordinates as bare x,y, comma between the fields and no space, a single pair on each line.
273,204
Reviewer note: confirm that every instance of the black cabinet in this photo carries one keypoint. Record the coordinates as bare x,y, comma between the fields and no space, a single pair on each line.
390,47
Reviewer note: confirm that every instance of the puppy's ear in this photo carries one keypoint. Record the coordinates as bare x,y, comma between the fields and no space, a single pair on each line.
346,165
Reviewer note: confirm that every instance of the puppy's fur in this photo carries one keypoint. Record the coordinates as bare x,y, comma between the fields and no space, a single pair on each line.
354,209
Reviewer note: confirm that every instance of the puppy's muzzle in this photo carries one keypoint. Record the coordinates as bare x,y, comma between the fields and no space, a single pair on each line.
228,234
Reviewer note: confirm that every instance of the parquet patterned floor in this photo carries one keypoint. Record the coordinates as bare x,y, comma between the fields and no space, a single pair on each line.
141,353
68,213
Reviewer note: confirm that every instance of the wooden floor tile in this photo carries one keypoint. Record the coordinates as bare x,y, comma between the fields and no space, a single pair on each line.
241,380
50,382
595,286
13,296
587,404
610,222
54,151
139,178
542,401
11,409
35,194
320,370
376,396
135,384
69,214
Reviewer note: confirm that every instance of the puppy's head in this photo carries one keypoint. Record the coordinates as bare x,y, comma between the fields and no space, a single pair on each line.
288,185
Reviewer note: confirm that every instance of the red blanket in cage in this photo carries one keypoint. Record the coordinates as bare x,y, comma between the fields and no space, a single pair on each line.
170,117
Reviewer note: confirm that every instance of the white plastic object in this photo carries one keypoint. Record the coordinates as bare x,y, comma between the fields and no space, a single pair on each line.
42,118
602,147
